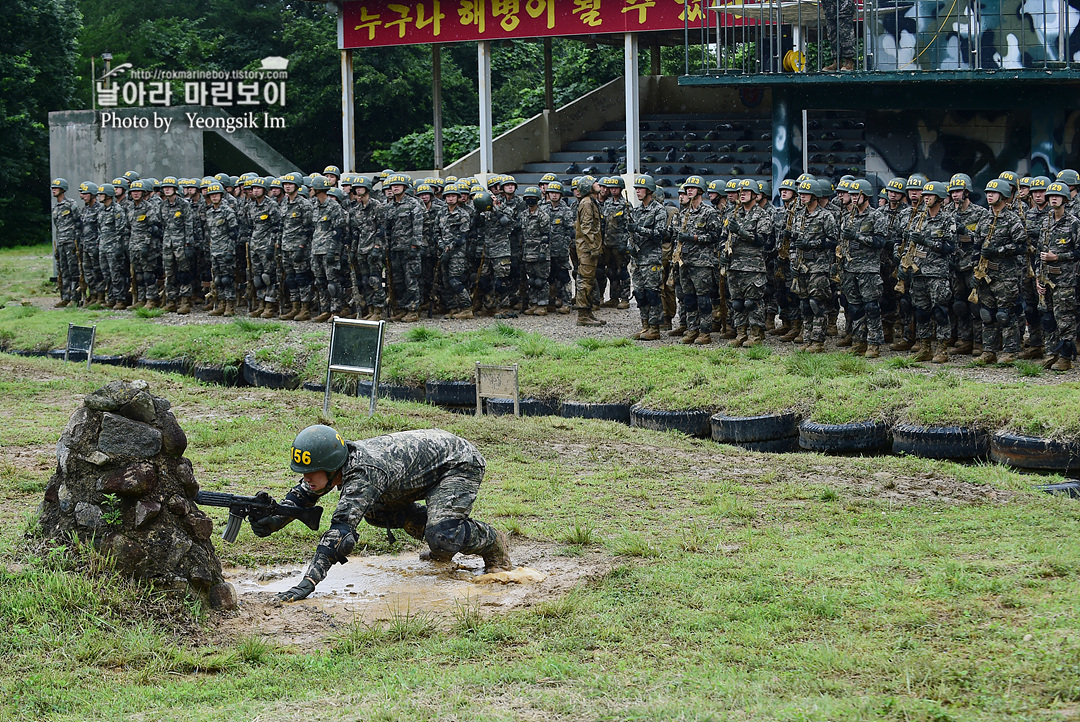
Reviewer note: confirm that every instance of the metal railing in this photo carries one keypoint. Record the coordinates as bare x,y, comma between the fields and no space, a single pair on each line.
790,36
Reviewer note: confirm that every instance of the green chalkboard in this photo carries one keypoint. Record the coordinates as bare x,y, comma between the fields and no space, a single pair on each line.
354,347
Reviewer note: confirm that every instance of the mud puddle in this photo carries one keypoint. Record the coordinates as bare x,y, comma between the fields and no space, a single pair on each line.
378,588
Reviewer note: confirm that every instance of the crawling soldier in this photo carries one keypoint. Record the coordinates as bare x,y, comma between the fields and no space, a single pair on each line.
381,479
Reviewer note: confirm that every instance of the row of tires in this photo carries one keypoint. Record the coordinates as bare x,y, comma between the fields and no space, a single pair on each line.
778,433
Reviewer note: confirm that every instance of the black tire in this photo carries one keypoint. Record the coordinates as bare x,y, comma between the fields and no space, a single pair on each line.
395,392
258,374
74,356
604,412
692,422
528,407
788,445
940,442
29,353
316,387
1034,452
165,366
110,360
1067,488
746,429
450,393
219,375
856,438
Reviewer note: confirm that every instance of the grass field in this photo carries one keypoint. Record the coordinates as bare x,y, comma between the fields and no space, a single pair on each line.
742,585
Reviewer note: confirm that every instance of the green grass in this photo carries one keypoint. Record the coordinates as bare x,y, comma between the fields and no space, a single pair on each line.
742,586
25,272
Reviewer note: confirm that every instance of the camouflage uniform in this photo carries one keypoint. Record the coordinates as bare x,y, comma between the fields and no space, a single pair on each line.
429,280
455,237
1034,219
65,216
813,241
178,221
405,236
860,277
222,230
112,226
264,219
561,238
839,16
697,232
144,248
646,251
367,226
90,249
590,245
498,227
296,227
777,267
966,314
535,224
891,231
748,233
614,259
1060,236
934,244
327,247
385,476
1003,243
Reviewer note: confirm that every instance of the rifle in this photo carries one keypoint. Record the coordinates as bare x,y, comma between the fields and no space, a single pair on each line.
907,258
980,270
249,289
1042,276
259,506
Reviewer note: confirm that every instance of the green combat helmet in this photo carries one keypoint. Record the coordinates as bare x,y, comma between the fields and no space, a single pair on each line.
999,185
647,182
481,201
88,187
318,448
60,183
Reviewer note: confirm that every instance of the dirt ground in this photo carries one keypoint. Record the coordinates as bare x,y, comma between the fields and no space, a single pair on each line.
372,589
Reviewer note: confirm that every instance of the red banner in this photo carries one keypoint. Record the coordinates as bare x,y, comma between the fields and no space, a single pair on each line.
374,23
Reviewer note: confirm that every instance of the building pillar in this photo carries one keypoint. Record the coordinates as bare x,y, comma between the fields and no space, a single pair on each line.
436,105
483,59
633,104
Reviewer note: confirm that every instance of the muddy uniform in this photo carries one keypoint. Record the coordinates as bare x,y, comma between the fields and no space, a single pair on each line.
697,234
296,228
1003,245
455,238
1062,237
590,244
561,238
748,234
931,292
811,266
264,219
535,225
648,232
368,229
112,226
405,237
144,247
965,313
384,478
65,216
178,221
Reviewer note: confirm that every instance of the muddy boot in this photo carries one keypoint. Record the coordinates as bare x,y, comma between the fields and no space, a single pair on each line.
644,328
942,355
816,347
782,329
185,306
793,332
689,337
270,310
411,317
305,312
872,352
770,322
801,337
462,315
1062,364
652,334
1007,358
703,339
170,307
845,341
902,344
677,331
740,338
430,555
830,328
757,336
219,309
230,309
289,311
665,324
728,332
922,351
987,357
858,348
497,558
322,317
962,348
1033,353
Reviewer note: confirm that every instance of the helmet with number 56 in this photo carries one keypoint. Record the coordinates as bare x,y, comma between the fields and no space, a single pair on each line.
318,448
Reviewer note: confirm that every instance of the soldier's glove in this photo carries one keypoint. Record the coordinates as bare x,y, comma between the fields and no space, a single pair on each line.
337,542
849,233
300,591
686,237
916,237
505,220
734,225
264,526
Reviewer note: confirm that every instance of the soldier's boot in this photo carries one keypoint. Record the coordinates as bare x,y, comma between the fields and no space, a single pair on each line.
530,310
987,357
120,305
689,337
218,310
816,347
858,348
740,338
757,336
728,332
830,328
902,344
847,65
497,558
652,334
464,314
289,311
565,309
703,339
1007,358
610,303
270,310
887,331
801,337
62,303
257,309
230,309
793,332
411,317
185,306
770,322
677,331
170,307
429,555
139,303
398,315
151,304
541,311
665,324
322,317
830,68
942,355
586,318
1049,361
976,348
962,348
872,351
304,314
1062,364
644,327
922,351
623,304
1032,353
782,329
845,341
211,302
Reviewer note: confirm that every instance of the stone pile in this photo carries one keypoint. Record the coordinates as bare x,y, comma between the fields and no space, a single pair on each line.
122,483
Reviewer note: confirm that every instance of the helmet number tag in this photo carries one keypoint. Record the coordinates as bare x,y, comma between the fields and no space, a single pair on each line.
301,457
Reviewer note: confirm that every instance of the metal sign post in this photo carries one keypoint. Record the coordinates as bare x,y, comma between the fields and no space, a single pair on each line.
81,338
497,382
355,348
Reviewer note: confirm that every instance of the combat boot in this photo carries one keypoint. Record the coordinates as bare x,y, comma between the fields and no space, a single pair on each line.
139,303
610,303
987,357
703,339
976,348
858,348
903,344
678,330
942,355
665,324
463,315
347,312
322,317
270,310
211,302
872,351
120,305
816,347
170,307
586,318
793,332
922,351
1062,364
770,322
623,304
497,558
728,332
845,341
219,309
962,348
398,315
377,314
185,306
540,311
739,339
411,317
304,314
257,309
530,310
152,303
565,309
652,334
289,311
782,329
830,328
1032,353
689,337
757,336
230,309
801,337
1007,358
